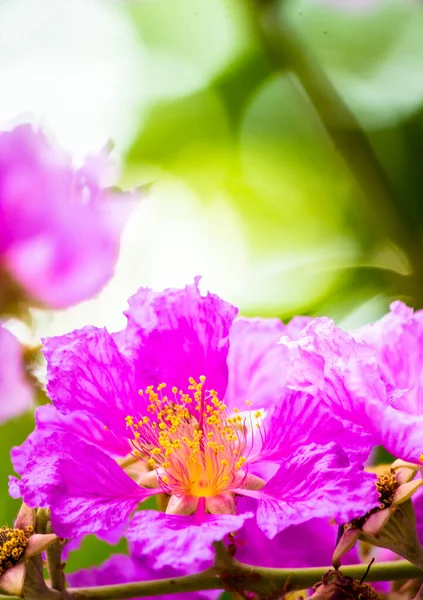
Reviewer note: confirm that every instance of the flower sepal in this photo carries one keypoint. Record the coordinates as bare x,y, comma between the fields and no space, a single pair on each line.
17,546
392,524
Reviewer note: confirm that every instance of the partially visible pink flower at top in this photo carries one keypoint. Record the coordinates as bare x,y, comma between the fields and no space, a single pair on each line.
59,227
15,390
190,402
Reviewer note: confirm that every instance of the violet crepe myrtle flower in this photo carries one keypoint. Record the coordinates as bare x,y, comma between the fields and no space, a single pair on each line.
189,402
120,568
59,227
16,394
369,378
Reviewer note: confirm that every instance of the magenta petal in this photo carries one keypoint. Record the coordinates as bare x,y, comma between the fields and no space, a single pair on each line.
59,232
254,363
310,544
86,490
180,541
86,371
124,569
15,391
397,340
300,418
315,482
177,334
349,379
87,427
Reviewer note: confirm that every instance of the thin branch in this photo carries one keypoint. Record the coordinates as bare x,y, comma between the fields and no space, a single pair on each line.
285,48
241,576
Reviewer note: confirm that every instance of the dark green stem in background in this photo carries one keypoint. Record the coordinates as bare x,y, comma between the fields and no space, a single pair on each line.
286,50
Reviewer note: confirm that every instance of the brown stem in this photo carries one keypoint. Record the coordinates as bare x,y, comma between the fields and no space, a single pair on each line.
264,581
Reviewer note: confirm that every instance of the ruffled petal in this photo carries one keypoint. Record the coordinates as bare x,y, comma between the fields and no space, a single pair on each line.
254,363
397,340
16,394
180,541
85,426
314,482
86,371
347,375
300,418
85,489
309,544
125,569
177,334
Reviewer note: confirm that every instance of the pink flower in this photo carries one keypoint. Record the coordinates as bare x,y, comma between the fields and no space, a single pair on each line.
189,402
59,228
15,390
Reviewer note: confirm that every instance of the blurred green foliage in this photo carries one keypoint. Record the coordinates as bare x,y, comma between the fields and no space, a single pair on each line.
231,125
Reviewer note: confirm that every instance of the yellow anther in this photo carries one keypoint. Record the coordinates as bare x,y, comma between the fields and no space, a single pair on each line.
248,402
129,421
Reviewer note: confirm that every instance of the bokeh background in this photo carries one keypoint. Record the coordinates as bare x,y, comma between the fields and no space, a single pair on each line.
229,115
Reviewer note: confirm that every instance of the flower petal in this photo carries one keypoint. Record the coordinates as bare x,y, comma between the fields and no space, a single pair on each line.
254,363
397,339
15,390
85,489
310,544
180,541
177,334
86,371
300,418
346,374
82,424
314,482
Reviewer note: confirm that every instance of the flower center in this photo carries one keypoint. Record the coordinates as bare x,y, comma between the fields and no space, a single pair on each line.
12,546
190,438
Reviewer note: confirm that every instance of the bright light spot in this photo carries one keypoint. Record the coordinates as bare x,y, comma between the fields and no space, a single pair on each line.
73,66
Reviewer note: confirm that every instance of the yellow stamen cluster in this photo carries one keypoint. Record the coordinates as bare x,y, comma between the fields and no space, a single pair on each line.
191,437
12,546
